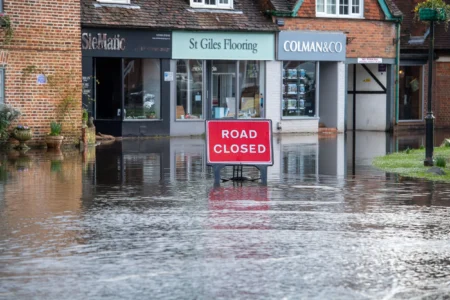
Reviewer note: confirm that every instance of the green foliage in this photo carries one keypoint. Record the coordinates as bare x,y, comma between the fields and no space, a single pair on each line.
422,147
436,4
5,22
441,162
85,116
412,164
55,128
55,166
7,115
408,150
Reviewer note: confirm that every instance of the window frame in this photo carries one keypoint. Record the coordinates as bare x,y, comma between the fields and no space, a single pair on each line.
217,5
112,1
360,15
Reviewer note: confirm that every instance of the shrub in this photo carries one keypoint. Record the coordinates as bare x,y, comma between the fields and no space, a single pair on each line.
422,147
55,128
441,162
7,115
85,116
408,150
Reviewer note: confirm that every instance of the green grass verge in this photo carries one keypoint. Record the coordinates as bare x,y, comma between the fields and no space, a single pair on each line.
410,163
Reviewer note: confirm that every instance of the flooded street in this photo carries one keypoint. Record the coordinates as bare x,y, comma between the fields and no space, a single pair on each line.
140,219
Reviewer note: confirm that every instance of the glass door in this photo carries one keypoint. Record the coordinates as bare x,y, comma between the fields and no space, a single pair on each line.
223,89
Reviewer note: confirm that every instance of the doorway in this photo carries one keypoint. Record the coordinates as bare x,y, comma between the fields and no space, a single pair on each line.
223,89
108,88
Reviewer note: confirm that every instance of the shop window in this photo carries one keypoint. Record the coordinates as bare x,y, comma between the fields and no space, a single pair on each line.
299,89
410,92
189,90
142,89
114,1
339,8
251,85
2,85
212,3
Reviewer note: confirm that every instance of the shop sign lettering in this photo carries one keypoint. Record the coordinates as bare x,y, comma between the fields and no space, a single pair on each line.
302,46
102,41
312,46
226,44
239,142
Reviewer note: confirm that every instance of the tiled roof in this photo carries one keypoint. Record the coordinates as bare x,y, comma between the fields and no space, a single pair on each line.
414,34
247,15
395,11
284,5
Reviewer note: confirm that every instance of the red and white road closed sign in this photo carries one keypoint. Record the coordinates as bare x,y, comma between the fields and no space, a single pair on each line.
239,142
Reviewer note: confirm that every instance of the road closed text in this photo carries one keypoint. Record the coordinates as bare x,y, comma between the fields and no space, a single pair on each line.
239,147
239,142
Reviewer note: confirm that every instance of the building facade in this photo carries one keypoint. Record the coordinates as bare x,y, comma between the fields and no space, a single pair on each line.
41,65
176,63
350,82
413,73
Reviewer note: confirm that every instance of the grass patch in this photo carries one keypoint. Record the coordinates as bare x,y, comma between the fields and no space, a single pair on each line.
410,163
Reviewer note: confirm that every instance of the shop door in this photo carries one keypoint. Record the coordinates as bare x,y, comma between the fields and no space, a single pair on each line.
223,89
108,88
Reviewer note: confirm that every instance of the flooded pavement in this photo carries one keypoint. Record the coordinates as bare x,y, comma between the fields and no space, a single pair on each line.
140,219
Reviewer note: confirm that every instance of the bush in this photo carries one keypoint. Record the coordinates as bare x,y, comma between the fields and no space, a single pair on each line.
55,128
441,162
408,150
7,115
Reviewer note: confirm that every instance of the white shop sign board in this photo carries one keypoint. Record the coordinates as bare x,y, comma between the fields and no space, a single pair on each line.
370,60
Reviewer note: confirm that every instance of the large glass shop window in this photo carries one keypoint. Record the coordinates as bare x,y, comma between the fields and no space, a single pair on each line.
410,100
142,87
299,89
189,89
251,85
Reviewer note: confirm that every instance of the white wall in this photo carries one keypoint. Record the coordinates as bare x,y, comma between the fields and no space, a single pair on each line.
370,108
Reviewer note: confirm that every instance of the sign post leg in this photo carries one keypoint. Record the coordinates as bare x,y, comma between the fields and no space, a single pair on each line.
263,174
217,169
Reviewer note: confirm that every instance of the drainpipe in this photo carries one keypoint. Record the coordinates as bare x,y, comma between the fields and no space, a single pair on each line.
397,70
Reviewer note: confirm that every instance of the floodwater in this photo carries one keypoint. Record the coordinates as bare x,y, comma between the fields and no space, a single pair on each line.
140,219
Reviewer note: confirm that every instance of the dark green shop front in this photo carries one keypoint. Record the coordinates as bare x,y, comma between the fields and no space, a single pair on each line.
124,86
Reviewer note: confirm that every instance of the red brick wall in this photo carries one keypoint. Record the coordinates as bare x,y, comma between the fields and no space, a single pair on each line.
46,35
365,38
441,95
368,37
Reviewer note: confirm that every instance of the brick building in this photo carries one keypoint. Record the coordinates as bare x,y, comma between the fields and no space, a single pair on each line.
45,41
354,90
413,79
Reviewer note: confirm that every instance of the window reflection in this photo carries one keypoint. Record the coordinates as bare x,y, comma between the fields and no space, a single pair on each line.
299,159
188,165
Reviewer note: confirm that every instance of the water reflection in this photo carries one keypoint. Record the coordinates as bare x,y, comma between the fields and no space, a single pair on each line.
141,217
